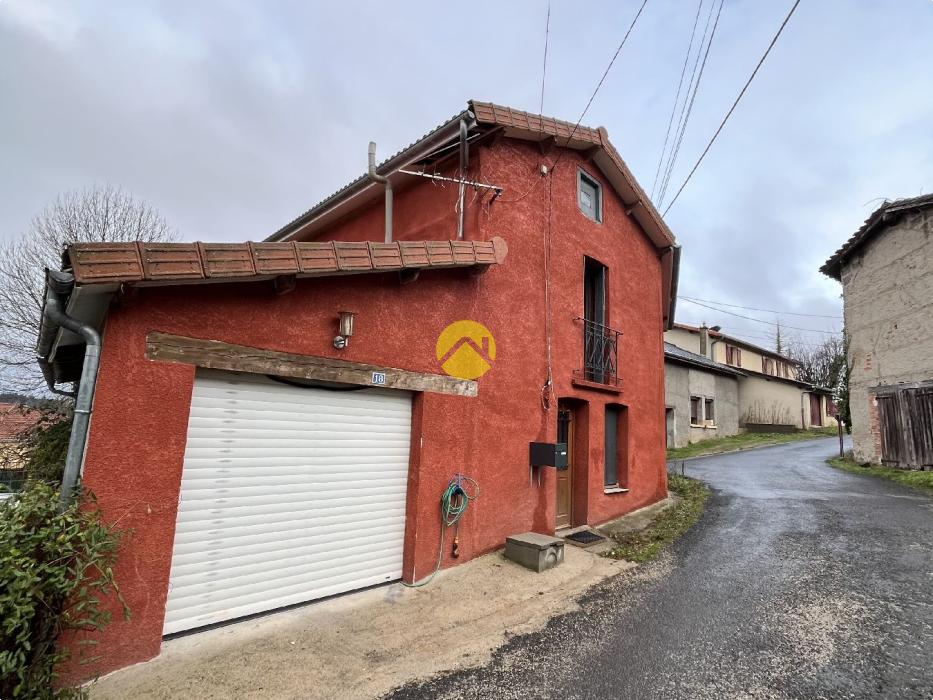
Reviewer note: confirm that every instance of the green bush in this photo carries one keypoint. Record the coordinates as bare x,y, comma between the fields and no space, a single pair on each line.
46,446
55,566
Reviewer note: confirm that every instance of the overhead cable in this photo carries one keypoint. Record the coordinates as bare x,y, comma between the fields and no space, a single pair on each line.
758,320
670,122
753,308
734,105
601,80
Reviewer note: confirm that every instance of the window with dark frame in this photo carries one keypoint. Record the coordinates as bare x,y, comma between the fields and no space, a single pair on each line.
615,452
589,197
733,356
696,407
708,411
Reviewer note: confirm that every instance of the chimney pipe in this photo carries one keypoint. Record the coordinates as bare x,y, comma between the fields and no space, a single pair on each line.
384,180
704,340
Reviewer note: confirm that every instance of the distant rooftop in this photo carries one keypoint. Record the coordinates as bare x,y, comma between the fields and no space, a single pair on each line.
16,419
736,341
677,354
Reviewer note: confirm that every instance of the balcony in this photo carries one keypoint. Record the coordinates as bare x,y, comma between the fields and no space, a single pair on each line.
600,354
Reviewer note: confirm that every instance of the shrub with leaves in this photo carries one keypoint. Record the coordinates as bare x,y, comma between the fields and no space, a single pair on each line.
55,567
46,446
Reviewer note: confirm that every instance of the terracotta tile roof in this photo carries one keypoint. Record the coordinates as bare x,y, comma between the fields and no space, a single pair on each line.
874,224
499,115
16,419
493,114
362,180
96,263
519,124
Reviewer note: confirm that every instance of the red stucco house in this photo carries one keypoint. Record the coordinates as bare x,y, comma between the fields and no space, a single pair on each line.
260,453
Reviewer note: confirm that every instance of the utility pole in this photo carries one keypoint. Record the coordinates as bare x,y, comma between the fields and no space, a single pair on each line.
839,425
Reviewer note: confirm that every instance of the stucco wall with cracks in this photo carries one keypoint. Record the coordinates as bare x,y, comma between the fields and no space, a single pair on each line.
888,309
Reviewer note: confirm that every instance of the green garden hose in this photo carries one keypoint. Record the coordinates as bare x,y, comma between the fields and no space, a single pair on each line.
454,502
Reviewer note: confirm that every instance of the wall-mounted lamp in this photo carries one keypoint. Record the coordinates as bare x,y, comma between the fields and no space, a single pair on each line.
344,329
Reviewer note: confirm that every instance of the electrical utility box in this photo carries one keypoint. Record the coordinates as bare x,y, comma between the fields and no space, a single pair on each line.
548,454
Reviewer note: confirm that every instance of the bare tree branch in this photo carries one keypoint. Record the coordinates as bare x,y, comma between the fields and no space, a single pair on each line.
98,214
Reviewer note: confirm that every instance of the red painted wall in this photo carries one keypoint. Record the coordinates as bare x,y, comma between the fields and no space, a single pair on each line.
136,445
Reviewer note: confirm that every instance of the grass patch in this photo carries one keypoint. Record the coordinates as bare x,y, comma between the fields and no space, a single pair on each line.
907,477
744,441
667,526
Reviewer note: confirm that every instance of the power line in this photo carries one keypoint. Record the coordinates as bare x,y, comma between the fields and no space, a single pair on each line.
547,31
601,80
734,105
752,308
696,86
743,334
670,122
758,320
760,334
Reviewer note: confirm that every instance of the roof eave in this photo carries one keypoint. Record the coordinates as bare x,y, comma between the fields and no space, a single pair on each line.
676,359
883,216
344,200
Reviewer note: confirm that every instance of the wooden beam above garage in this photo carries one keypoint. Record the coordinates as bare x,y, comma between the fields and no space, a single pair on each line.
214,354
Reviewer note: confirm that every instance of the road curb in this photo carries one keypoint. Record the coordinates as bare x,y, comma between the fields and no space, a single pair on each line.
748,449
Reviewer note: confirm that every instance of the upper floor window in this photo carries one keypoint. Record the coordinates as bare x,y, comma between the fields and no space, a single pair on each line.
733,356
589,197
767,366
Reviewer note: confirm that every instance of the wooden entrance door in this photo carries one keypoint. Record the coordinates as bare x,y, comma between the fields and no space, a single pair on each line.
565,476
816,410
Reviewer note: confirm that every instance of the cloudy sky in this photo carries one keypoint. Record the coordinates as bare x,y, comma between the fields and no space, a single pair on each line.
232,117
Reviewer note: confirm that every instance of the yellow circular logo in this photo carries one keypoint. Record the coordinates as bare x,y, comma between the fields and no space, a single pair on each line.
465,349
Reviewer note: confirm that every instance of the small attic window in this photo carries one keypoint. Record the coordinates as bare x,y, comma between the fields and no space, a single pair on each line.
589,197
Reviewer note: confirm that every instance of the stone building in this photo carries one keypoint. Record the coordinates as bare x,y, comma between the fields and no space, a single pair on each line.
886,271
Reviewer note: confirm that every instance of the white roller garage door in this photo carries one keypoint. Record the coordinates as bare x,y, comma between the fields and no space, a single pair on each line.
288,494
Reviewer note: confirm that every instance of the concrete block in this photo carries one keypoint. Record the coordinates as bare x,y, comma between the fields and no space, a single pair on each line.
535,551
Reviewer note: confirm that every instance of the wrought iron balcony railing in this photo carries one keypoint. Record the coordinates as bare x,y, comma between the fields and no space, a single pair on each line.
600,353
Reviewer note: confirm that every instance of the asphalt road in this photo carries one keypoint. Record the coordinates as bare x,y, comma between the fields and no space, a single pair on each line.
799,581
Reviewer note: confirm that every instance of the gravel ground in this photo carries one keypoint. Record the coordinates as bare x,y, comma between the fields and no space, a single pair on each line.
799,581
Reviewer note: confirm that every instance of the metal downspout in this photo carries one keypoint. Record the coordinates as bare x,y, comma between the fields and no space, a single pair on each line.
384,180
464,164
84,397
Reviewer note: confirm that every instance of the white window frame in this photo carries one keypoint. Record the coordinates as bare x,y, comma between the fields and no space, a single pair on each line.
583,176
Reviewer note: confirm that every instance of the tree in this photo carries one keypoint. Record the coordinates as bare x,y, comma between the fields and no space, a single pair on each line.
100,214
824,365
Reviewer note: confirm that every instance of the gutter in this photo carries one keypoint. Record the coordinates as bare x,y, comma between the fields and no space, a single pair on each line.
53,319
375,177
674,252
421,148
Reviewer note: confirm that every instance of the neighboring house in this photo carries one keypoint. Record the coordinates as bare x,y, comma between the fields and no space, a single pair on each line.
886,270
702,397
259,461
16,420
769,394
